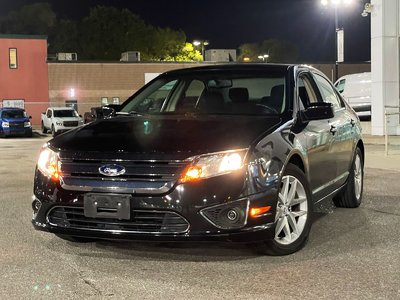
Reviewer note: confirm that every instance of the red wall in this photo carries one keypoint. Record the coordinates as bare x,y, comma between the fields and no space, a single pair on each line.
29,81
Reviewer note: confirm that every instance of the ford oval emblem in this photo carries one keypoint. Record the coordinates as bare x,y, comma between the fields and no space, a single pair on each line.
112,170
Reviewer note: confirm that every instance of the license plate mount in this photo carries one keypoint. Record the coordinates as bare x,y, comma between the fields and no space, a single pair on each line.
109,206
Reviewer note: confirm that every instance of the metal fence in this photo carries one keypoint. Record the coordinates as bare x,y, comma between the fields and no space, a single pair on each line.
391,140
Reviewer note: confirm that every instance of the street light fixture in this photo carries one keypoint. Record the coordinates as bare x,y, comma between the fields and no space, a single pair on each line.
339,36
201,43
264,57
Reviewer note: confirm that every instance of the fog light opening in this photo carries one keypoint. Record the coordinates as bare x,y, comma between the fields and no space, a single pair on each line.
232,215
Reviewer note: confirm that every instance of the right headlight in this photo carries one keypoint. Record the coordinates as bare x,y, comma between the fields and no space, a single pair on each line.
5,124
213,164
48,163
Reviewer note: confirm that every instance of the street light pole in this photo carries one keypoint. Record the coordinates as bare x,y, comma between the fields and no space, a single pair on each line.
201,43
335,4
336,43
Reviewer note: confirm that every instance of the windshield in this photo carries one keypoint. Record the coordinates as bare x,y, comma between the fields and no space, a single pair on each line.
68,113
13,114
212,94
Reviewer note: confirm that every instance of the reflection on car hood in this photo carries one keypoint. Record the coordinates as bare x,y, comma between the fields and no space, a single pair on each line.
14,120
167,134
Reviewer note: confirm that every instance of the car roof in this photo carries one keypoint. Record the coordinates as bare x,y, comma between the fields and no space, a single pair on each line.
231,67
62,108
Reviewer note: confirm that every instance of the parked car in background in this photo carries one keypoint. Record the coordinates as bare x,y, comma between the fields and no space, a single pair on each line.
356,89
240,153
15,122
60,119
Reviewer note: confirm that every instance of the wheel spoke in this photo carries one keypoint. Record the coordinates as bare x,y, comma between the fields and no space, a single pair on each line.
292,193
286,230
279,226
300,213
298,200
279,213
292,222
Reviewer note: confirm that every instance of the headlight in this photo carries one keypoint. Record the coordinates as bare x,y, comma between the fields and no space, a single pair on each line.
59,123
48,163
27,124
5,124
214,164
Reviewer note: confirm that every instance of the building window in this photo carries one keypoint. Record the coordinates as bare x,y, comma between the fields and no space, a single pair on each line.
13,62
115,100
72,103
104,100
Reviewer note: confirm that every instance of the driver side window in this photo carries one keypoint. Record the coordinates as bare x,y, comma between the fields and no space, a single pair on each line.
327,92
306,92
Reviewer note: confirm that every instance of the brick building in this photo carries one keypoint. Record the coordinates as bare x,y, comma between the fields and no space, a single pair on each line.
89,84
24,73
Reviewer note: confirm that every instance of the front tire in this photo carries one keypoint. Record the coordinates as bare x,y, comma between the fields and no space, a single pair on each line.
44,130
351,196
53,131
293,214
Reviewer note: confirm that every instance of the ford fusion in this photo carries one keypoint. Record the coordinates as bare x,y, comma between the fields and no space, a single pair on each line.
239,153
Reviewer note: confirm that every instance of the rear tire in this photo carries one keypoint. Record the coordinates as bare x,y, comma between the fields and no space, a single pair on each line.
351,196
75,239
293,217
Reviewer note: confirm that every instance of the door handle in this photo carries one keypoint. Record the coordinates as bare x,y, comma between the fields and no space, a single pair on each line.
333,129
352,122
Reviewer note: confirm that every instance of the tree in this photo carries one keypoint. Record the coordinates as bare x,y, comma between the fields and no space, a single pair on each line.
36,18
186,53
278,51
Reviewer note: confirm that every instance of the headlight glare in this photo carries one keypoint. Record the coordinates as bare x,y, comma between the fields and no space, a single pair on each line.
48,163
214,164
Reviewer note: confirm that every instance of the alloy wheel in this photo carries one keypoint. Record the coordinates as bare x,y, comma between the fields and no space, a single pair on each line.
291,212
358,176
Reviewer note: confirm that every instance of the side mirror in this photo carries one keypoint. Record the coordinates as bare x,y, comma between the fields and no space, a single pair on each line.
80,116
30,117
110,110
317,111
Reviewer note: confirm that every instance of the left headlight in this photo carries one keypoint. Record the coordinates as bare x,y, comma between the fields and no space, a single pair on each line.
213,164
49,164
27,124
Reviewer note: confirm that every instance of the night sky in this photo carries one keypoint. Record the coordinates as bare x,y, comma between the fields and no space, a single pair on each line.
229,23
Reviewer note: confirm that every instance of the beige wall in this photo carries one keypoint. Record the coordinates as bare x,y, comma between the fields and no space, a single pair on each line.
92,81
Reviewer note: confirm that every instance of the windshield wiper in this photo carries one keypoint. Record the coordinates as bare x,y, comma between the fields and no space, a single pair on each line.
131,113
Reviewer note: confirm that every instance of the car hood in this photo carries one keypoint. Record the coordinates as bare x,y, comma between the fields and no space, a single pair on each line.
14,120
66,119
167,134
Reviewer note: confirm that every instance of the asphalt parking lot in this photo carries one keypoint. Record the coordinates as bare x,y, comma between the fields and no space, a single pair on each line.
351,254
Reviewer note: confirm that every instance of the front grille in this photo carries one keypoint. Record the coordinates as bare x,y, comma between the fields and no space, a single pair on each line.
16,125
135,170
141,221
70,123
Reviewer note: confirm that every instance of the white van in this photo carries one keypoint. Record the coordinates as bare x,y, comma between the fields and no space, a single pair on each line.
356,89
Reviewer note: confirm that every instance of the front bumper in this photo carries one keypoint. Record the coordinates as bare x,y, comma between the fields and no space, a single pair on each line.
26,131
201,205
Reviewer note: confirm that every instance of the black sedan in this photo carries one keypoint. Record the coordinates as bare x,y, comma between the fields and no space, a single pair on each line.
240,153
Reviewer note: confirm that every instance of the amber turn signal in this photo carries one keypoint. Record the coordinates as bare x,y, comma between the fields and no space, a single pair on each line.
258,211
192,173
